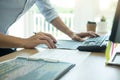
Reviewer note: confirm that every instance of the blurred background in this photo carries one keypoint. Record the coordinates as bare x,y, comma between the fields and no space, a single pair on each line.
74,13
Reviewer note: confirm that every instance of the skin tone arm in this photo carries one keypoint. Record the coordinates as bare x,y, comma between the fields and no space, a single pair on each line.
57,22
7,41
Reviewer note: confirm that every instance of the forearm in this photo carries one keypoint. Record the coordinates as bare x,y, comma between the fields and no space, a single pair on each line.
58,23
7,41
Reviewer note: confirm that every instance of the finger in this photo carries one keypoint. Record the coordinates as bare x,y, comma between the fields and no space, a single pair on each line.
49,35
49,40
93,34
97,34
42,36
77,38
46,43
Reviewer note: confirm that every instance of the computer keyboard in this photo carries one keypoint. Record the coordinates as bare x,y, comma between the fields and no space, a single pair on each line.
95,44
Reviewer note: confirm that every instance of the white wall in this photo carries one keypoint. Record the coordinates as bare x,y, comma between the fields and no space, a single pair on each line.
85,10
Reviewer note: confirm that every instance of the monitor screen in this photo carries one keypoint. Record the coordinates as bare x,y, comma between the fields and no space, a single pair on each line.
114,47
115,34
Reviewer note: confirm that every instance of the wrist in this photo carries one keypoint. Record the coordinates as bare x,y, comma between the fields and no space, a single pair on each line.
70,34
15,42
22,43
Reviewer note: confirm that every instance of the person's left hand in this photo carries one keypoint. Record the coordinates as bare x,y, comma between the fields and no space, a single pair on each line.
80,36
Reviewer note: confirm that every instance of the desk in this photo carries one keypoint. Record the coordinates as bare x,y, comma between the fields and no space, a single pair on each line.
92,68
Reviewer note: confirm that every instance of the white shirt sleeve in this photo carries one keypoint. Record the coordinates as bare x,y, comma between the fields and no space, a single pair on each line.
46,9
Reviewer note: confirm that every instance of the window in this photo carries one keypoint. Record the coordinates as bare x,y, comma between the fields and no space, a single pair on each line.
93,10
65,11
74,13
107,8
32,21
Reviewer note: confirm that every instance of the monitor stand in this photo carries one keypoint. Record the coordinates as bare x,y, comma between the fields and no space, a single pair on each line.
115,60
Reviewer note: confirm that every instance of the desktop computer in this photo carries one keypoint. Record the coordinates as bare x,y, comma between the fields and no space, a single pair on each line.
113,47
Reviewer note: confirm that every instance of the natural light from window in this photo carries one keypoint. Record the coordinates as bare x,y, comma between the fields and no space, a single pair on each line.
64,3
104,4
33,21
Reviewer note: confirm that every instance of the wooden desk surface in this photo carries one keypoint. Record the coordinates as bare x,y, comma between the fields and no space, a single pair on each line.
92,68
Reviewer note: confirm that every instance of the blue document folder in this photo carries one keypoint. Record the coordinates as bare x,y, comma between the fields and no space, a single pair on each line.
23,69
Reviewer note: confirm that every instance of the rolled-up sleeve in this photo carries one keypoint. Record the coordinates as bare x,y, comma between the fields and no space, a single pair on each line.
46,9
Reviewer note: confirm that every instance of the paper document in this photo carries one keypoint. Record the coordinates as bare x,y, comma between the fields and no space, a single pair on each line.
72,56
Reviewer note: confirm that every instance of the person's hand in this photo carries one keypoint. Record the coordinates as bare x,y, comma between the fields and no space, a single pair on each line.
40,38
80,36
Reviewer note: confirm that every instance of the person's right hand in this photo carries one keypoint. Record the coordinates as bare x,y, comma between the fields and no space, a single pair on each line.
40,38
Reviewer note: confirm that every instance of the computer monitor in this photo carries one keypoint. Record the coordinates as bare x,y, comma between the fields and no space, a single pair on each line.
115,34
114,38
